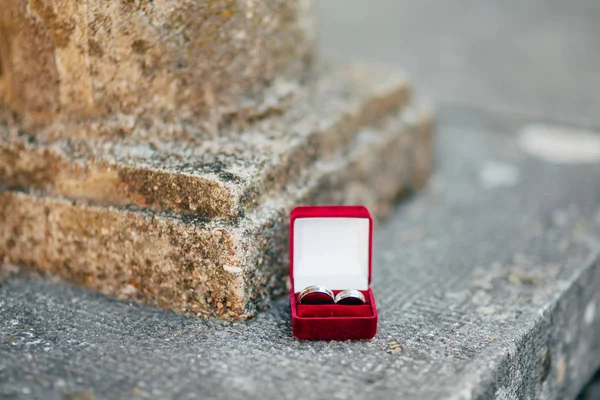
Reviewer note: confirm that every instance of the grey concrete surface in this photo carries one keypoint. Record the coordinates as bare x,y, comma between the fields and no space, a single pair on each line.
488,285
538,58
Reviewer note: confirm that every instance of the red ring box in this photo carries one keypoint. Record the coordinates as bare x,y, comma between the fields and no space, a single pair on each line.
332,246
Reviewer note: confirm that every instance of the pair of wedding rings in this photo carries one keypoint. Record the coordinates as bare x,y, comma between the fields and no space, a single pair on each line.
318,294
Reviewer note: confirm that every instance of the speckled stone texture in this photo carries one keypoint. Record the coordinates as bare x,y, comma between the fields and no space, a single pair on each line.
148,60
199,174
484,292
205,267
198,224
151,150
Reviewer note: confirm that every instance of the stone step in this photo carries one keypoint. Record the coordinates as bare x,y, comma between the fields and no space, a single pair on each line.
219,267
178,166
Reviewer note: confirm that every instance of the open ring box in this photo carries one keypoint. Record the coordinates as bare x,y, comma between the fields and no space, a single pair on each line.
332,246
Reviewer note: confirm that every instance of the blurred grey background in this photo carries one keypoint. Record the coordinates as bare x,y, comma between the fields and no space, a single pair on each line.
535,58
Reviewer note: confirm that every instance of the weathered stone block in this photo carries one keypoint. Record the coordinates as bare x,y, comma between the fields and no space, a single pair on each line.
165,57
221,267
199,174
152,150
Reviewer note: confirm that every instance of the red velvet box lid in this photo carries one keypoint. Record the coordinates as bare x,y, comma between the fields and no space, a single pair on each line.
331,212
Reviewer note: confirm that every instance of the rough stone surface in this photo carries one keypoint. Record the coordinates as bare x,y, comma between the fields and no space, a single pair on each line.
484,291
198,174
218,267
196,223
166,58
